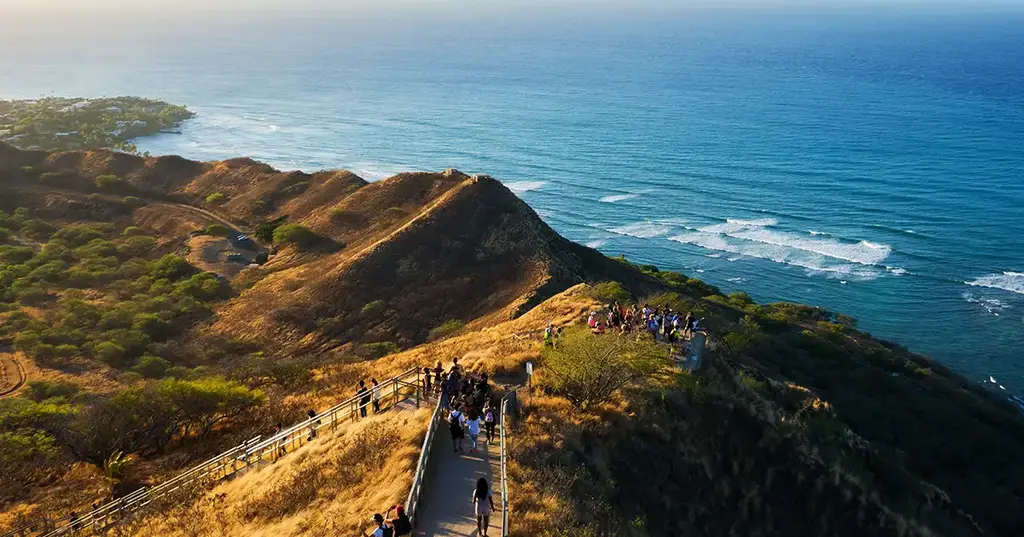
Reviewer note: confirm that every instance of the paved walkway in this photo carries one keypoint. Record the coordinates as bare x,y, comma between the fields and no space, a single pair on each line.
447,509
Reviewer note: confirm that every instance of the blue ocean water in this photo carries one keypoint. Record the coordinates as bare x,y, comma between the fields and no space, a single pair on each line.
869,163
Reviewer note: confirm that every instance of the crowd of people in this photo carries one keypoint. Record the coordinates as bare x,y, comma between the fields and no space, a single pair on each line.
466,401
662,323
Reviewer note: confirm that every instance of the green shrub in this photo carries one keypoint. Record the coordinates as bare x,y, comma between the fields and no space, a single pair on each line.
136,246
37,229
152,325
133,201
110,353
80,234
132,231
296,235
203,286
588,369
152,367
15,255
49,176
217,198
107,181
33,296
265,231
608,292
41,390
372,351
217,230
373,308
5,235
29,170
740,298
171,267
446,329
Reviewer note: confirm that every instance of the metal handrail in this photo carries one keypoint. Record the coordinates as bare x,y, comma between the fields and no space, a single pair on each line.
505,527
412,503
227,463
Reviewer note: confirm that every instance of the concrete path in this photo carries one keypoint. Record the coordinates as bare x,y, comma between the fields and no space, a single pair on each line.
447,509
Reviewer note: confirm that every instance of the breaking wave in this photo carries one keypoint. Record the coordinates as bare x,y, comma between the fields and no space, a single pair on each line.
1007,281
525,186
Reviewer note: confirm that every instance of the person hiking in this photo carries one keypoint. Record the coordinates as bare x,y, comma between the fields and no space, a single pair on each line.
376,395
549,336
364,398
281,450
312,424
456,368
688,325
438,372
483,504
401,523
558,336
473,423
490,421
455,427
426,381
449,389
381,529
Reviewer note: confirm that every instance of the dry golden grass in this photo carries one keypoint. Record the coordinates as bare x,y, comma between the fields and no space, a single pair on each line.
495,350
329,487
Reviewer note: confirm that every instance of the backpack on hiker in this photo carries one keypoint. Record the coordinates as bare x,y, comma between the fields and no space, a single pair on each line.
402,526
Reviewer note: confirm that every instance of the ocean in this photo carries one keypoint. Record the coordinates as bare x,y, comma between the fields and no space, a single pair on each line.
870,163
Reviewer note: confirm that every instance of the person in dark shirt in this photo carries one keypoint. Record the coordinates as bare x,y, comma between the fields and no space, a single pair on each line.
364,398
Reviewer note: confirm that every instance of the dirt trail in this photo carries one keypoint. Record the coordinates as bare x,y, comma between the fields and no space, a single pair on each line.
12,372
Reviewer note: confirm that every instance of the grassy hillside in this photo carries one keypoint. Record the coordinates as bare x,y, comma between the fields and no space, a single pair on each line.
134,305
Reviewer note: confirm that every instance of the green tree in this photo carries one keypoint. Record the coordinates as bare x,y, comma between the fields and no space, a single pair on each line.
108,181
171,267
215,199
110,353
608,292
447,328
152,367
587,369
217,230
294,234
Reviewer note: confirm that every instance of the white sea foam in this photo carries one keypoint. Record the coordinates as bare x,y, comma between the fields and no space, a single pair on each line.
812,232
642,230
1007,281
525,186
898,271
617,197
274,128
596,244
735,280
991,305
778,251
777,245
714,256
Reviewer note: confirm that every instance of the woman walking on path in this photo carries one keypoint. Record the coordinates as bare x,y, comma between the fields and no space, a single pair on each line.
490,421
376,396
473,428
455,426
483,504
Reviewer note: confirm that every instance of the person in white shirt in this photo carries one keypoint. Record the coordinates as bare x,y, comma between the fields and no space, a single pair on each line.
483,504
376,396
473,423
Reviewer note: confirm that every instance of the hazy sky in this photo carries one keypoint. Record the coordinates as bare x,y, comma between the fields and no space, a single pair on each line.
474,5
